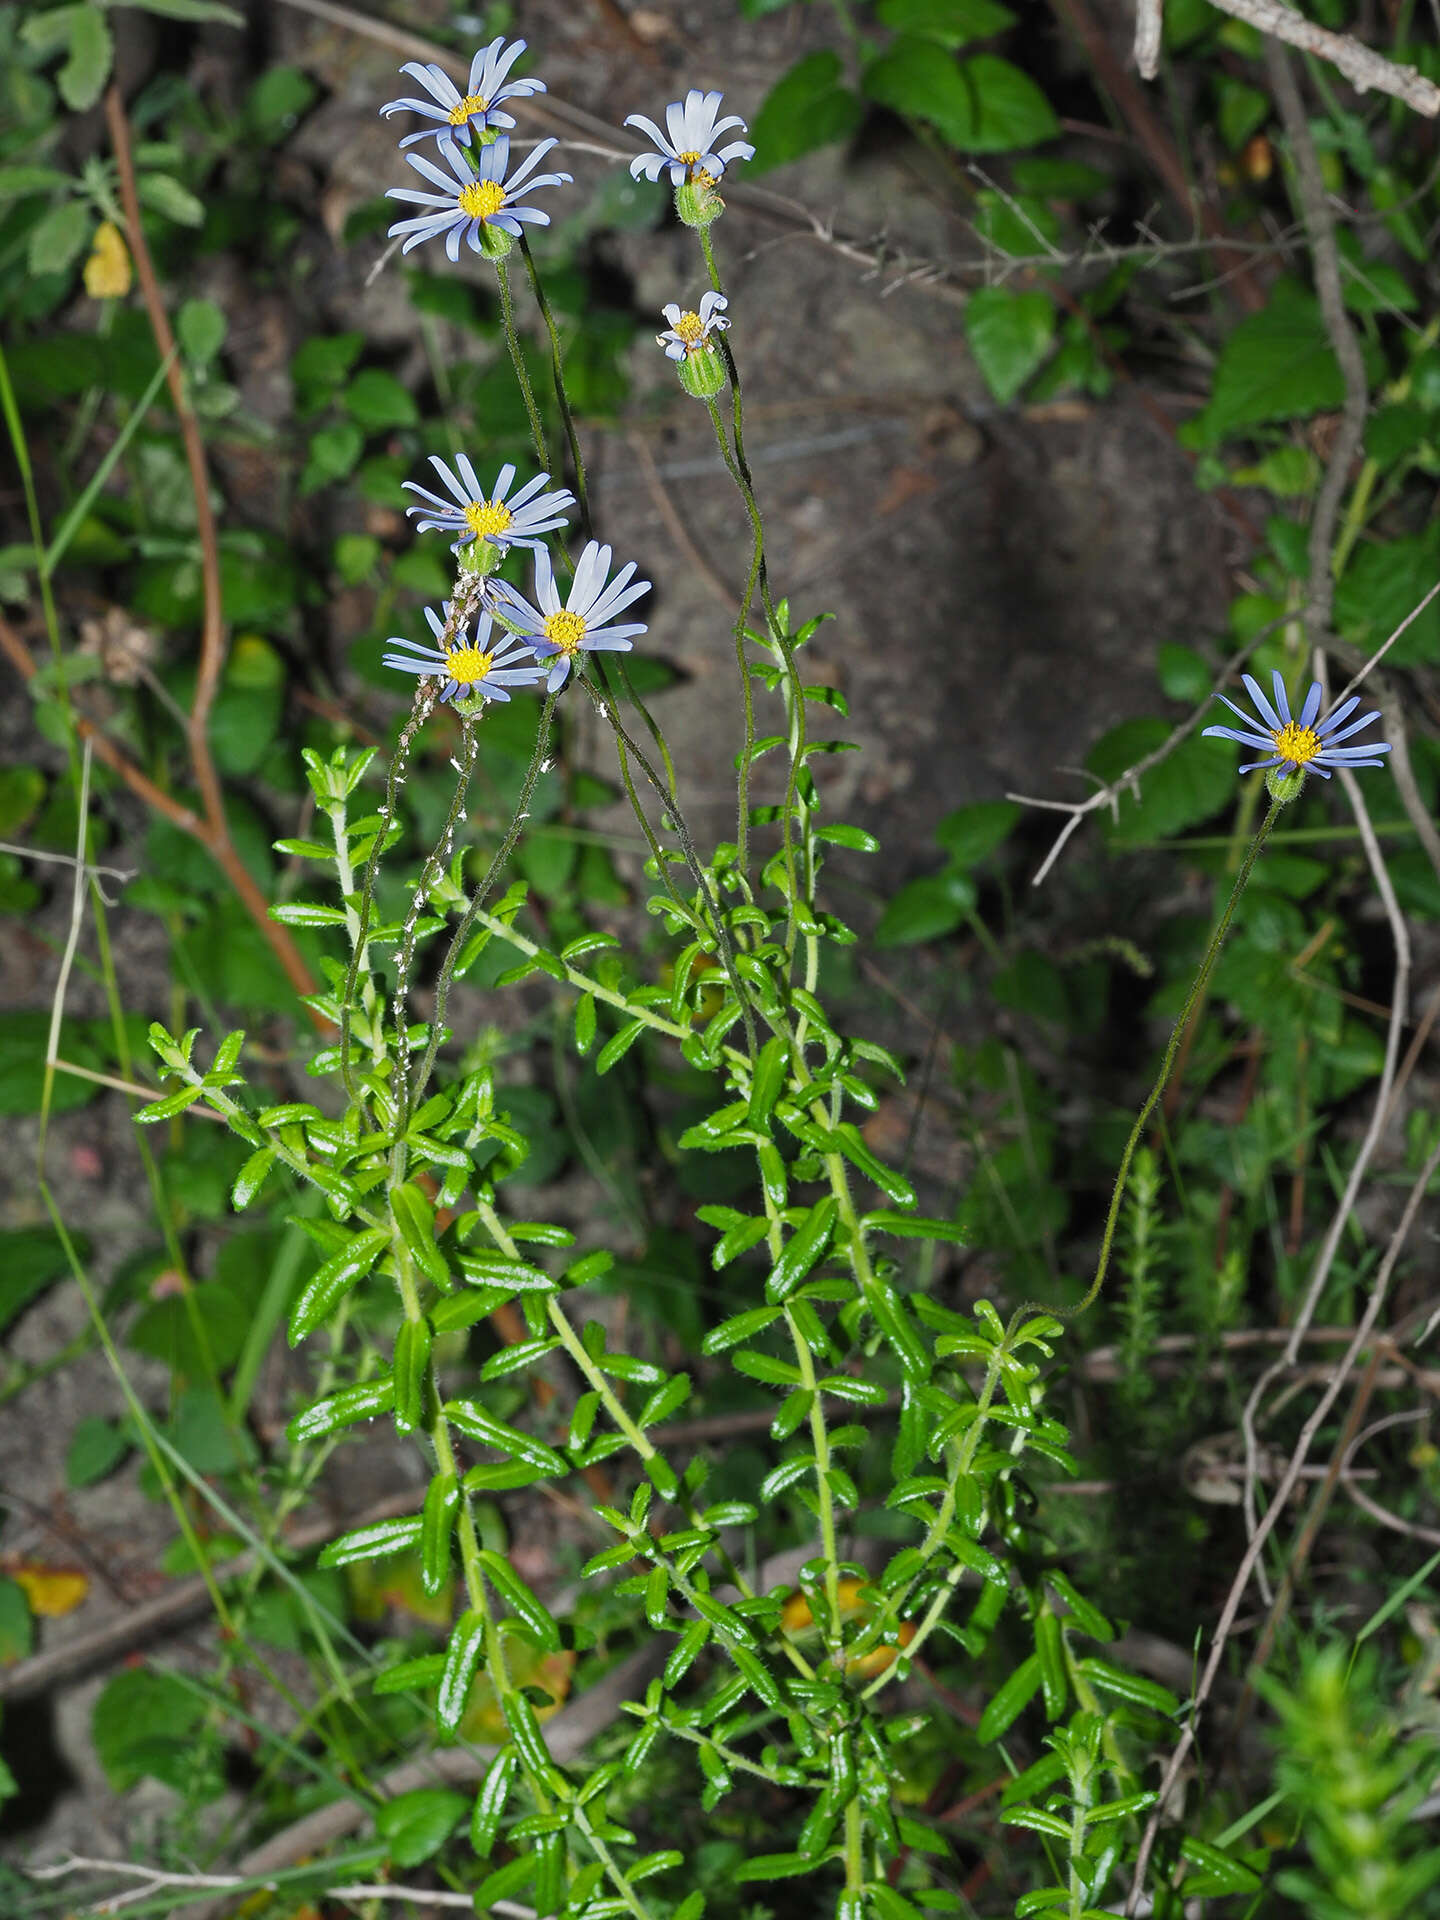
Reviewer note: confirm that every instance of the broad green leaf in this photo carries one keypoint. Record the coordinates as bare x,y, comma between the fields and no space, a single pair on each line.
84,74
31,1258
142,1725
1191,784
166,196
1276,365
377,401
96,1448
807,108
981,105
1383,583
16,182
416,1825
971,833
926,909
58,238
1009,335
201,327
951,22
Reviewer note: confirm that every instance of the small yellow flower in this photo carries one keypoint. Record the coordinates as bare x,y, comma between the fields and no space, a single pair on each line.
107,271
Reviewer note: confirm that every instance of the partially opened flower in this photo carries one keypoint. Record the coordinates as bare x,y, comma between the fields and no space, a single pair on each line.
1299,745
505,520
582,624
467,666
478,106
689,152
690,332
479,205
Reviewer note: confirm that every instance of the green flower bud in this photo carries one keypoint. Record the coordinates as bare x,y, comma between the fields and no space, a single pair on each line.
481,556
698,203
1284,786
702,372
470,707
495,243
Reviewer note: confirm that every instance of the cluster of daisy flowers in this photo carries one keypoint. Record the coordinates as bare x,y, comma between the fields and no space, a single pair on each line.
473,198
541,639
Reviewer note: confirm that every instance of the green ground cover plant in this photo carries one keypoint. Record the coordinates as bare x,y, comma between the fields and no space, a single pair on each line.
922,1634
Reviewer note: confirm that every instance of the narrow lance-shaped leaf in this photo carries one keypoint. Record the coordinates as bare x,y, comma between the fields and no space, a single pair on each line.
333,1281
803,1249
412,1375
490,1801
520,1600
437,1525
462,1657
415,1217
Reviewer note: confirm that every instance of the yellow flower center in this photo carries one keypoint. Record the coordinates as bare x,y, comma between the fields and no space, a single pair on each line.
1299,744
691,159
487,516
704,179
472,104
466,665
691,329
481,198
566,629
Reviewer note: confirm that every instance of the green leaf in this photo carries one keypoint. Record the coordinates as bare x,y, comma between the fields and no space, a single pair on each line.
1130,1686
807,108
412,1375
201,327
476,1424
1011,1700
166,196
490,1802
331,456
416,1825
378,401
970,834
520,1600
1243,111
415,1218
1009,335
57,239
344,1409
1276,365
17,182
951,22
84,74
31,1258
437,1523
1385,581
775,1866
926,909
1194,782
276,102
17,1628
374,1542
618,1046
801,1252
96,1448
731,1332
981,105
332,1281
142,1725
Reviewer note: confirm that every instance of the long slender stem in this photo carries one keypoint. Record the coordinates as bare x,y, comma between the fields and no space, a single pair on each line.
562,399
522,372
538,762
1162,1079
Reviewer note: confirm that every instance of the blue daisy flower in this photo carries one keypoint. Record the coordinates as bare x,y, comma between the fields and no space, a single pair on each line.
690,152
478,106
690,332
475,204
519,520
1298,745
581,624
467,666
